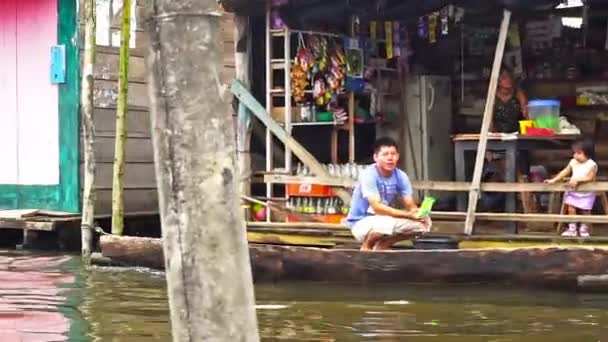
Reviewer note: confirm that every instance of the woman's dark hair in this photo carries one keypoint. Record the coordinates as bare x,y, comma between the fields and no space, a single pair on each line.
586,145
385,142
505,68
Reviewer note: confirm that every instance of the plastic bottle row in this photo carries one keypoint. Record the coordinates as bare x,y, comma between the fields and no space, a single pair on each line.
349,170
319,206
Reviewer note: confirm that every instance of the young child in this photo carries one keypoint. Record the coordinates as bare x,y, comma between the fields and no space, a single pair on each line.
581,169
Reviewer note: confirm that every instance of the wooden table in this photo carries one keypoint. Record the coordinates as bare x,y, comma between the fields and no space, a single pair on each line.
510,144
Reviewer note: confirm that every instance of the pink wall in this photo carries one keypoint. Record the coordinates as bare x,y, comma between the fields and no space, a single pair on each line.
8,91
29,117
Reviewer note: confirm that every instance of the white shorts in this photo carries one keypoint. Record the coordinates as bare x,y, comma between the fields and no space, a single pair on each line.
388,225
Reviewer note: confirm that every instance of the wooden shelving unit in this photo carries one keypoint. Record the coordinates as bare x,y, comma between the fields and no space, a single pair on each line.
284,93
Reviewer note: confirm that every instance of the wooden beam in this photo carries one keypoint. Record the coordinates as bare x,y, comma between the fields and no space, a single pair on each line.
517,217
242,63
48,226
318,225
441,185
539,239
308,159
351,127
455,215
276,207
485,127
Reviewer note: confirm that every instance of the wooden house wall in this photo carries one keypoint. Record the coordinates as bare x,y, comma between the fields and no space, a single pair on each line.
140,182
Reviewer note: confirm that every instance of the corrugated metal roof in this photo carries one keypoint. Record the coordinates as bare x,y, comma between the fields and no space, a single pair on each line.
388,8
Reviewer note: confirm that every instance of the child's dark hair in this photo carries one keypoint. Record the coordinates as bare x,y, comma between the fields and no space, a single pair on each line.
507,69
385,142
586,145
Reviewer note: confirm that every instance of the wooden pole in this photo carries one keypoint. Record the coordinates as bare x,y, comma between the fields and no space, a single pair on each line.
118,178
88,128
204,237
305,157
242,55
487,120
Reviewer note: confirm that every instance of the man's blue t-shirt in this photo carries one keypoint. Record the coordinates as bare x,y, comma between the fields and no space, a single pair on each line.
372,183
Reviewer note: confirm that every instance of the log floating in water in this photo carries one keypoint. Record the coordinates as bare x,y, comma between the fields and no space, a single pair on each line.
542,267
134,251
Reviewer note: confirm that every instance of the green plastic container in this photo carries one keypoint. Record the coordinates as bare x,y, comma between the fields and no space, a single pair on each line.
545,113
548,122
325,116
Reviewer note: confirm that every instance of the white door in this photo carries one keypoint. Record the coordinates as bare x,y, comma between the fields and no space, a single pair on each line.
29,114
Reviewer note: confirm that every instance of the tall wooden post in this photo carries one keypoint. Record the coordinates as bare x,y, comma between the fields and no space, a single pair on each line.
242,62
118,178
485,126
88,128
204,238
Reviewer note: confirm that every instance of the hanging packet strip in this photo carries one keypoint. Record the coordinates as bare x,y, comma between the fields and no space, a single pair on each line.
396,40
373,30
388,31
421,28
444,21
373,34
433,28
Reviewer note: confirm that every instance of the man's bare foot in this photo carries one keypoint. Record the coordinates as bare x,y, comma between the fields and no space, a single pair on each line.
370,241
365,248
383,245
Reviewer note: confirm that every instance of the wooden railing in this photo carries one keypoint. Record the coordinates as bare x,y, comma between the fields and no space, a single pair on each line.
464,187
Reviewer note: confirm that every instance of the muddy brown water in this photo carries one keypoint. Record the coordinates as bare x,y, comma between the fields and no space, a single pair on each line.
47,297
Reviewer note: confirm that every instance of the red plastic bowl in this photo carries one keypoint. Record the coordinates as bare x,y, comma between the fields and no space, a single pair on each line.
540,131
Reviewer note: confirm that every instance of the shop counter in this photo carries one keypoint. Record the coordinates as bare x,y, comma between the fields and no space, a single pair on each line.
510,144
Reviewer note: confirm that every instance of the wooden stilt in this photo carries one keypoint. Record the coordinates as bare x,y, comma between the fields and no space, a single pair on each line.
118,177
485,127
204,242
88,129
242,49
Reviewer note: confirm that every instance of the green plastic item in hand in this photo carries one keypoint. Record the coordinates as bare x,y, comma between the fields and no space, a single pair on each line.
426,206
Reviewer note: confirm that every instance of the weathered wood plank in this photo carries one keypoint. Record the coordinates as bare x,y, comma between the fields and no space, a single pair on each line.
137,176
138,122
280,238
136,52
303,225
454,215
106,68
135,201
140,15
516,217
474,192
227,25
440,185
139,150
29,225
106,94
